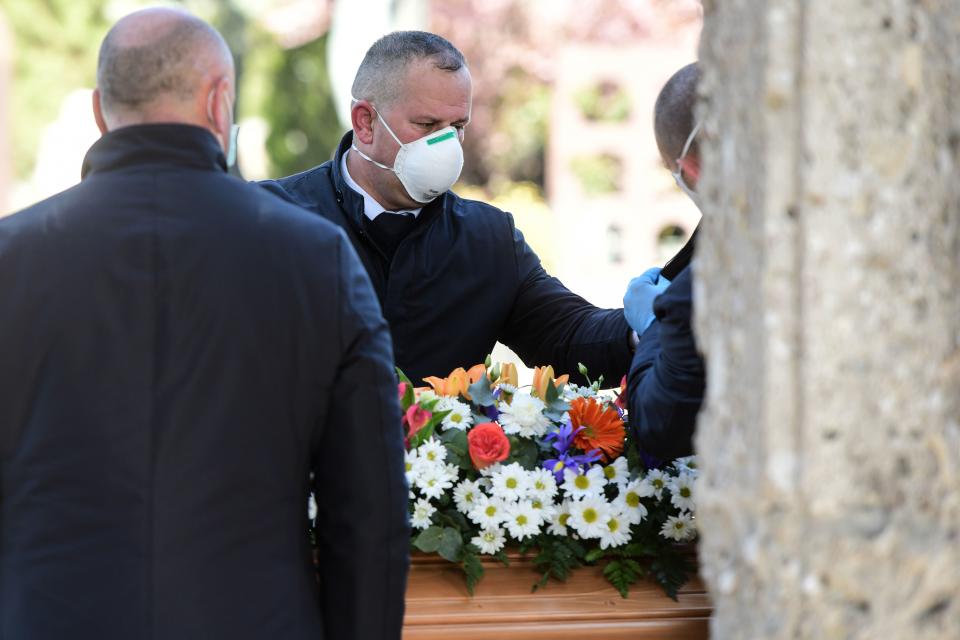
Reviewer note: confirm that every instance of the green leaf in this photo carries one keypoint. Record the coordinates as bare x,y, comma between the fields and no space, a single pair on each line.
594,554
456,441
481,393
523,451
450,544
422,436
472,568
429,539
408,396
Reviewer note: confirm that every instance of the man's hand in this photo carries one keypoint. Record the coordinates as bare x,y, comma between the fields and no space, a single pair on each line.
638,301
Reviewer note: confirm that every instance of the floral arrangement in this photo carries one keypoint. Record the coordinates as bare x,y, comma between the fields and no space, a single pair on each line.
549,469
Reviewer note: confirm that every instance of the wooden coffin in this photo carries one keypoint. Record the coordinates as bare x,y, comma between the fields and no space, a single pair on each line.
583,607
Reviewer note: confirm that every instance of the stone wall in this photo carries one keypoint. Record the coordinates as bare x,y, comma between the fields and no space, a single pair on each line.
828,305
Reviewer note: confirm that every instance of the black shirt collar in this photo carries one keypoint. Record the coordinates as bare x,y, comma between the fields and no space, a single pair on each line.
181,145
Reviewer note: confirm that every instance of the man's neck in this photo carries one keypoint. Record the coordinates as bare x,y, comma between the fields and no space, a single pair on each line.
360,172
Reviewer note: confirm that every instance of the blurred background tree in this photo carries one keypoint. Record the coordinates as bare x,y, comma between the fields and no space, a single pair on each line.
55,51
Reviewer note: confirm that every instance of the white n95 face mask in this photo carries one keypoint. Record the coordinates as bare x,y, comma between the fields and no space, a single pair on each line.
426,167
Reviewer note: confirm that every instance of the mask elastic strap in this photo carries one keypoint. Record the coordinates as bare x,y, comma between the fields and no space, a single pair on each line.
353,147
686,145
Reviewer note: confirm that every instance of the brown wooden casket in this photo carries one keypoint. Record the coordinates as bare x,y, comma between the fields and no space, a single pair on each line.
584,607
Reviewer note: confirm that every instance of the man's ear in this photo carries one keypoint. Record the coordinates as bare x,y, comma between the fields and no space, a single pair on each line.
691,168
98,112
361,117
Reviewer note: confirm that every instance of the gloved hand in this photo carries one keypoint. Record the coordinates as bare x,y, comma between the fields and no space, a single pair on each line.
638,301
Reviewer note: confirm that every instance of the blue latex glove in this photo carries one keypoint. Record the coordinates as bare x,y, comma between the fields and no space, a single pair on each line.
638,301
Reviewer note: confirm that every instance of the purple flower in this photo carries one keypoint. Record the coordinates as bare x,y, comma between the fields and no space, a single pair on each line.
556,466
562,440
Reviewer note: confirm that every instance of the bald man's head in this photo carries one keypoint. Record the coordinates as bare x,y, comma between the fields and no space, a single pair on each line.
673,119
158,65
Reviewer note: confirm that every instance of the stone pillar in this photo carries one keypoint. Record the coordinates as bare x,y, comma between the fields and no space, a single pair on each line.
828,307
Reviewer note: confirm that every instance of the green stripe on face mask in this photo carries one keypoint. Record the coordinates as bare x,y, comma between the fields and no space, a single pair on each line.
446,136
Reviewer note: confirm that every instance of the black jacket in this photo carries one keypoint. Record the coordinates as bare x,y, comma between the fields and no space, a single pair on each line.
179,350
463,279
667,378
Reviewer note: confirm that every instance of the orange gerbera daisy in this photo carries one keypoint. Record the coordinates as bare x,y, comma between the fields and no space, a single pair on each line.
603,428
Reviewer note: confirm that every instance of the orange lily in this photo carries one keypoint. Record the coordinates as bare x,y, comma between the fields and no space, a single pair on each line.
541,376
457,382
508,374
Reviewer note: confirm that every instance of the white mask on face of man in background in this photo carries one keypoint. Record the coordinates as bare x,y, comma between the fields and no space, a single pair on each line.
678,174
426,167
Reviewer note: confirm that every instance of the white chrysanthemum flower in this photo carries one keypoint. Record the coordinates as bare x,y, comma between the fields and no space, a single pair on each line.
511,483
411,467
617,472
543,486
311,507
490,540
487,472
589,516
524,417
422,510
687,465
507,388
583,485
466,495
460,416
616,532
523,520
628,502
451,472
681,492
545,508
679,527
434,481
560,519
488,512
432,450
657,481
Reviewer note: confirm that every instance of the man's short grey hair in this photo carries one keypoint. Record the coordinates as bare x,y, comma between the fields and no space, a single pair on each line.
673,117
132,75
379,78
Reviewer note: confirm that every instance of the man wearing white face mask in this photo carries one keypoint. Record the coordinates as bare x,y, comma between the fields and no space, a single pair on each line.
183,357
454,276
667,378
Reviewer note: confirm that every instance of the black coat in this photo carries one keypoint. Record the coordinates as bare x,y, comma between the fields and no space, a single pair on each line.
667,378
463,279
179,350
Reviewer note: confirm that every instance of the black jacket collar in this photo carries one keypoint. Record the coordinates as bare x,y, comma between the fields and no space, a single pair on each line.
682,259
181,145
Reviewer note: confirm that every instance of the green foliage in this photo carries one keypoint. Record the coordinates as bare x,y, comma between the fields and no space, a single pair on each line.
298,106
521,113
458,449
55,45
606,102
598,174
524,452
481,393
556,557
447,541
623,573
472,568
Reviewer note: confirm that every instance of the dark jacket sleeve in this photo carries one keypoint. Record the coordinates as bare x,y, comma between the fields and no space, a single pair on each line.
549,324
361,491
667,377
